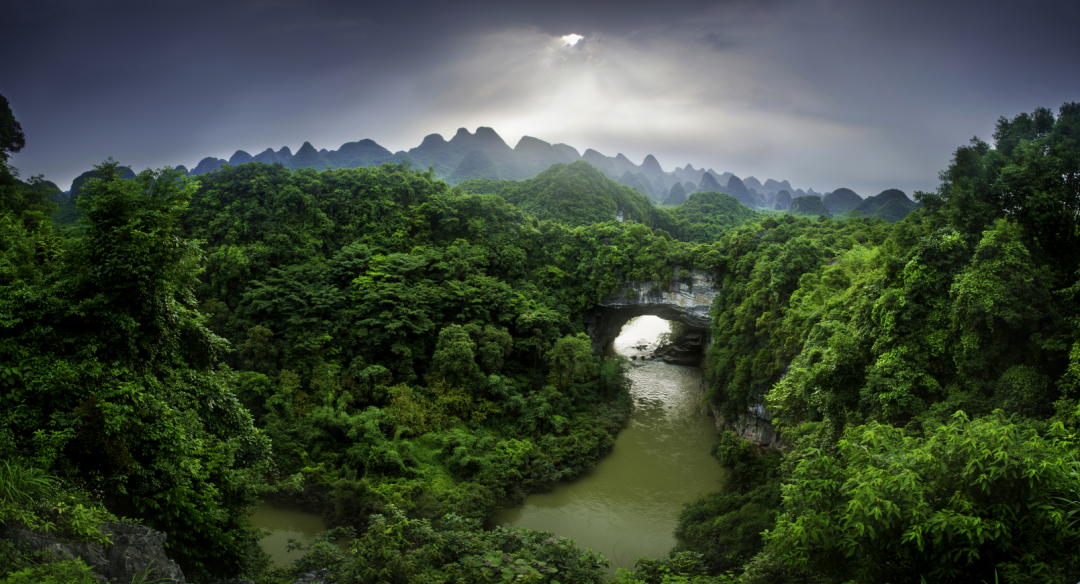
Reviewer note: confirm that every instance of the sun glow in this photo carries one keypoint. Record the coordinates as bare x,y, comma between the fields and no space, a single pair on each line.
572,39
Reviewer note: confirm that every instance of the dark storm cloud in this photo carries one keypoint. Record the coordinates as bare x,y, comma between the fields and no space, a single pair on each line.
825,93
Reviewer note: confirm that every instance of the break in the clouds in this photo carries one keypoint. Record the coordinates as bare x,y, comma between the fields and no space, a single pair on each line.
825,93
666,95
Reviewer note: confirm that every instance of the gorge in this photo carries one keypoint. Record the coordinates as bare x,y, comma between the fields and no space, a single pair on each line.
405,358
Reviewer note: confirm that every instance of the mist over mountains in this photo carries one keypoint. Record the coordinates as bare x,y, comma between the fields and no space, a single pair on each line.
485,155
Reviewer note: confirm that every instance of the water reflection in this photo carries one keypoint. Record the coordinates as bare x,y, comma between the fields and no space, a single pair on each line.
628,505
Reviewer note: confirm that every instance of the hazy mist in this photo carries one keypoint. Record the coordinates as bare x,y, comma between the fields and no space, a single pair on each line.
823,93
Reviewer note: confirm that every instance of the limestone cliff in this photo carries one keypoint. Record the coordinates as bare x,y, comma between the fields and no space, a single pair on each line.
688,299
135,549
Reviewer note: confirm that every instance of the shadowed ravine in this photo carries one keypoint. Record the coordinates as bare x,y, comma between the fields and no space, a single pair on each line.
627,506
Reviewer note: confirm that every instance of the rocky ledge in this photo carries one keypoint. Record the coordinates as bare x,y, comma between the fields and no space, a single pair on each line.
686,351
136,550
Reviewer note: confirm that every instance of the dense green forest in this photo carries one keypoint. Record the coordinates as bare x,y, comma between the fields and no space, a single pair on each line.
405,357
924,377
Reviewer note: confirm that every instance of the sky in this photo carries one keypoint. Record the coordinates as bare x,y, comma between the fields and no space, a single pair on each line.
860,94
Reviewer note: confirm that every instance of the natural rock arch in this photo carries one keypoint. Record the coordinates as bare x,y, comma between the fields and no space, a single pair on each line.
687,299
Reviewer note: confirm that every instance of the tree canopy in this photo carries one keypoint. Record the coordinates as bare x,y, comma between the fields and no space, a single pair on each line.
405,357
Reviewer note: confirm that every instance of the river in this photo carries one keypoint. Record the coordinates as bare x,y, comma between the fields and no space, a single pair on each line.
285,523
628,505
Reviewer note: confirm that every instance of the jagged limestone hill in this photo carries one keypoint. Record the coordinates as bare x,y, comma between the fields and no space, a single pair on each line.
809,206
579,194
45,189
308,157
526,160
535,155
676,196
49,190
77,184
475,165
737,189
268,156
560,192
891,205
69,211
709,183
660,186
600,162
650,167
707,215
782,201
773,186
444,156
639,183
568,152
436,152
240,157
841,201
208,164
689,173
358,154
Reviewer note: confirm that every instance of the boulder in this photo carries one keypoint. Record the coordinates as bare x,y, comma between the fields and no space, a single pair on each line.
136,550
316,577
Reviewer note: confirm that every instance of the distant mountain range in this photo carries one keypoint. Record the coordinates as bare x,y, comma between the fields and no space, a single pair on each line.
484,155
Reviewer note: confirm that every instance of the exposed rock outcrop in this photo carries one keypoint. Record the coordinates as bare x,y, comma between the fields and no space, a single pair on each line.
754,425
135,549
687,300
750,426
685,351
316,577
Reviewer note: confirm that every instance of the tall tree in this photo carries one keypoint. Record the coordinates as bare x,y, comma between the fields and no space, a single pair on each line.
12,138
118,372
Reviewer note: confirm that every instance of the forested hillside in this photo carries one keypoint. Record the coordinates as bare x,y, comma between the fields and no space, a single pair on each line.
924,378
483,158
362,340
405,356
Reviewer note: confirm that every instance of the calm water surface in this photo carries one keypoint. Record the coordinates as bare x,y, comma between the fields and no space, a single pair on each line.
284,523
628,505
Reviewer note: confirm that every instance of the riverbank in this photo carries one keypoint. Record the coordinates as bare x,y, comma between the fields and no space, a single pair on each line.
628,505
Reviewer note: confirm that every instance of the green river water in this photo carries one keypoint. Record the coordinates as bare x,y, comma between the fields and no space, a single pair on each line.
285,523
626,506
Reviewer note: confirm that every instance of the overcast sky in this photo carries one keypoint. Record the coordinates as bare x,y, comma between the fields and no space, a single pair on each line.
824,93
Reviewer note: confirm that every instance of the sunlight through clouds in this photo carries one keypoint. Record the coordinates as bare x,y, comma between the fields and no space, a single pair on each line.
660,95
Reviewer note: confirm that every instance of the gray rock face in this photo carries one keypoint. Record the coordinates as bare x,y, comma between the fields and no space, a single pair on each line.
687,351
135,549
751,427
687,300
754,425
